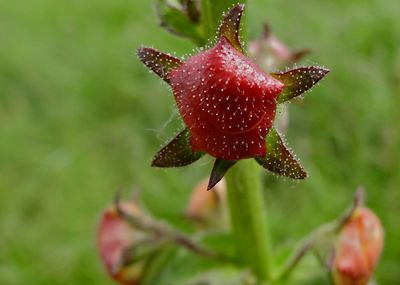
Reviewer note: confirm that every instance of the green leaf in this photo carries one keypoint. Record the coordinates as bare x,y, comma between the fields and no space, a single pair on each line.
219,169
279,159
155,267
177,152
230,24
178,22
299,80
224,275
160,63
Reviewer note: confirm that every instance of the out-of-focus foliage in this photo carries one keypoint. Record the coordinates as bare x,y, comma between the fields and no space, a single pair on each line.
81,117
181,19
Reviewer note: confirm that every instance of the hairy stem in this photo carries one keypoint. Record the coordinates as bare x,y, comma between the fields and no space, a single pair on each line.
245,199
163,231
248,217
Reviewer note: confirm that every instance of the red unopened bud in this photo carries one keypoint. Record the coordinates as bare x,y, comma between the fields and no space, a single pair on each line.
272,53
205,206
358,248
228,103
114,240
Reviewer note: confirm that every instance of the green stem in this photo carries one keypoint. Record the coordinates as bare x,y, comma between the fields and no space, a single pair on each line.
207,15
245,198
319,236
248,217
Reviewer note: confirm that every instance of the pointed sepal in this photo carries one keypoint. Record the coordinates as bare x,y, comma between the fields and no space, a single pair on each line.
160,63
220,167
299,80
230,24
177,152
279,159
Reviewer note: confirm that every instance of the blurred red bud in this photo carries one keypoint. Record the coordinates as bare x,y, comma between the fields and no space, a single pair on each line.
206,205
358,248
115,238
271,52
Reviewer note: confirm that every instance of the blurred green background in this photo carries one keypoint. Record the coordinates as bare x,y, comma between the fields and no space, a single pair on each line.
80,117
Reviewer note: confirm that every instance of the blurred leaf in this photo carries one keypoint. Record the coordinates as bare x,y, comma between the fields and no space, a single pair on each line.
192,10
177,22
226,275
177,152
223,242
279,159
156,266
307,272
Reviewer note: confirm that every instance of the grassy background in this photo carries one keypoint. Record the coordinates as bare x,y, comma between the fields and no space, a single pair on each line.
80,117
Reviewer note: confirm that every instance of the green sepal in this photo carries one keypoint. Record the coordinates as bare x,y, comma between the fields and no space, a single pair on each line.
220,167
180,22
160,63
299,80
279,159
177,152
230,24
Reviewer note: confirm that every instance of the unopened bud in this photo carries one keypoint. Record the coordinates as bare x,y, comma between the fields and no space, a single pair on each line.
358,248
271,52
115,240
205,206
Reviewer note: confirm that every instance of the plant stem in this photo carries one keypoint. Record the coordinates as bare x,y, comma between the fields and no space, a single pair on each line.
163,231
304,246
207,19
245,199
322,233
248,217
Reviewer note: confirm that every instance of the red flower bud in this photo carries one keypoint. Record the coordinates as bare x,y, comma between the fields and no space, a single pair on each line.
228,104
115,237
270,52
206,206
358,248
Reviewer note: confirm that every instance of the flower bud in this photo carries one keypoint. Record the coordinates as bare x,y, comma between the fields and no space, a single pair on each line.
358,248
228,102
271,52
203,205
115,239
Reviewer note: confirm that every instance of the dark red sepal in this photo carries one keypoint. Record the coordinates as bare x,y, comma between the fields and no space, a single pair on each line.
229,27
299,80
160,63
220,167
279,159
177,152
